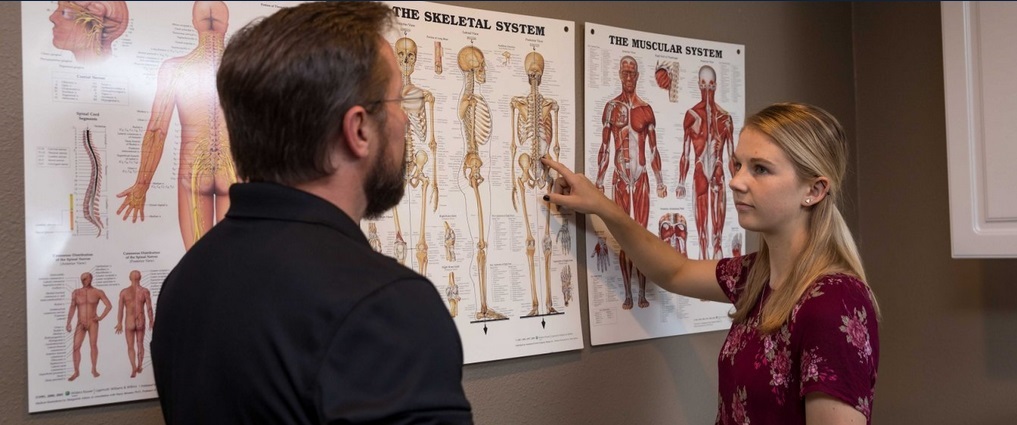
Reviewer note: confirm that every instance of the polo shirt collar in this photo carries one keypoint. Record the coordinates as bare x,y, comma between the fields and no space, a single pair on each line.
274,201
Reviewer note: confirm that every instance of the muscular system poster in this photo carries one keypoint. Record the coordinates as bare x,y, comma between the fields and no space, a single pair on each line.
125,167
487,94
662,119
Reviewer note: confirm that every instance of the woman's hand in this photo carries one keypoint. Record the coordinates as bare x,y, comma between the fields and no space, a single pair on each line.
575,191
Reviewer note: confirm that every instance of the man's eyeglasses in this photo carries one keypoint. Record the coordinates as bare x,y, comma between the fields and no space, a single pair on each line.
417,98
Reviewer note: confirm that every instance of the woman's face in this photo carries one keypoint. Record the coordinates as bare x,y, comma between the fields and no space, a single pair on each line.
767,192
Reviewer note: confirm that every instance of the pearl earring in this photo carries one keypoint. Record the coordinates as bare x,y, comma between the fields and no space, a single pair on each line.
808,201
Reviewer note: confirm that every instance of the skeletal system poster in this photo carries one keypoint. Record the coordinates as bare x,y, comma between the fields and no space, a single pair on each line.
487,94
125,167
662,119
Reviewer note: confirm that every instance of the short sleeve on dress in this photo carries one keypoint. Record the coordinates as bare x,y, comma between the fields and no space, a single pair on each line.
839,339
732,272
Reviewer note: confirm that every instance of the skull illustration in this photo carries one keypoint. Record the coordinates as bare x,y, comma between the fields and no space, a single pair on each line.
534,66
471,59
406,55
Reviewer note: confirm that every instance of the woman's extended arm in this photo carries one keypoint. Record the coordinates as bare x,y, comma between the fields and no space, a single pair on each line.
659,262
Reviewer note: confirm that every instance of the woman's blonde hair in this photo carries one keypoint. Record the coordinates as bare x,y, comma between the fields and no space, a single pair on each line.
816,145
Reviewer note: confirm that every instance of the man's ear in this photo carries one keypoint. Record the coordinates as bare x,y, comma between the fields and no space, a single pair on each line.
357,132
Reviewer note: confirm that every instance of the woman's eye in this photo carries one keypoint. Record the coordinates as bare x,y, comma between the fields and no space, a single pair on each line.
759,169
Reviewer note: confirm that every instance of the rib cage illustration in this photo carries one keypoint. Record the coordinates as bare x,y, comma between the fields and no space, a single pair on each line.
90,205
479,124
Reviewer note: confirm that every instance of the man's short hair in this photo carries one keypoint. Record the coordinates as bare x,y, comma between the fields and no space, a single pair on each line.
286,81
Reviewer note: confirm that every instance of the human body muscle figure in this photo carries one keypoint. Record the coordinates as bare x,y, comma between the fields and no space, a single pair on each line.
535,129
476,118
135,301
205,172
629,121
418,104
85,301
674,230
708,131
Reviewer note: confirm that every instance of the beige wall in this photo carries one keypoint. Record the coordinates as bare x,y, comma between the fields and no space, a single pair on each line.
949,330
949,335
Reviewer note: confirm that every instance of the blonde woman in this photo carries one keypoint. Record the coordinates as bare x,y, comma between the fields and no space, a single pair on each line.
804,343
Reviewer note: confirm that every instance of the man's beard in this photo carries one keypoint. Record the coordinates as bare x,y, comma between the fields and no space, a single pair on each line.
384,186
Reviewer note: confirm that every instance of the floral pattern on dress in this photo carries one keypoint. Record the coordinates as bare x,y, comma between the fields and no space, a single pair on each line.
857,332
729,273
830,327
813,292
736,340
739,407
864,406
776,355
814,368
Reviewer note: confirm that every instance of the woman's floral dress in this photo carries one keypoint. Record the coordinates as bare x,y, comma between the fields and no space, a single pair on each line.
830,344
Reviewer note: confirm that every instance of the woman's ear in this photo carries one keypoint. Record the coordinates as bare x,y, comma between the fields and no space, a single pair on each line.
817,190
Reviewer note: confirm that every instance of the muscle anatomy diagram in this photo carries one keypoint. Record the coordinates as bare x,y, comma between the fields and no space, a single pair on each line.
629,122
673,229
535,134
640,137
667,73
187,84
708,132
418,104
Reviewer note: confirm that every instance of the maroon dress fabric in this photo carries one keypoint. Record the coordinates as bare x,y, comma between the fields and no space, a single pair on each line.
830,344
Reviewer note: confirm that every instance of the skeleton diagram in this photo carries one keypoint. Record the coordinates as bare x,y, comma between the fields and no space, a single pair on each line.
476,123
418,104
674,231
438,53
372,236
736,244
564,237
205,173
708,131
535,130
452,295
629,121
566,284
450,243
